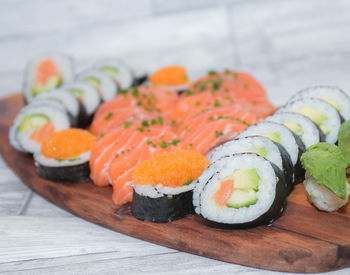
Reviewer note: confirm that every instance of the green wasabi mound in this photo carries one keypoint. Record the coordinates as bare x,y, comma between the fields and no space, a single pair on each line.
344,141
326,164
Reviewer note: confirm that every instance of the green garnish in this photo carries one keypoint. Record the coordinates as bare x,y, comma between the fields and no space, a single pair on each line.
139,103
175,141
109,115
217,103
218,133
188,92
149,142
135,92
197,103
212,72
325,162
116,156
102,135
140,129
187,182
145,123
127,124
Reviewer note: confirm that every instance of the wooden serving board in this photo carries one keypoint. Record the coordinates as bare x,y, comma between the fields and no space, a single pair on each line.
302,240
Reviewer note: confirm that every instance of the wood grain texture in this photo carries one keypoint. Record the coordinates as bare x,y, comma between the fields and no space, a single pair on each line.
302,240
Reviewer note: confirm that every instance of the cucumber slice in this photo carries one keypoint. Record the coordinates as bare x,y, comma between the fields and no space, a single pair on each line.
294,127
261,151
332,102
274,136
111,71
52,83
242,198
32,122
246,179
76,92
92,80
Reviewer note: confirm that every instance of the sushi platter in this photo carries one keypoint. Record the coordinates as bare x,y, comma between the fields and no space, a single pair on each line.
303,239
206,166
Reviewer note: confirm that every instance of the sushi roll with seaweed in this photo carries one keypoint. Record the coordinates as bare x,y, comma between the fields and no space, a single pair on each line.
104,84
173,78
324,115
325,180
240,190
64,156
282,135
262,146
45,73
118,71
301,126
88,97
331,94
71,104
163,185
34,123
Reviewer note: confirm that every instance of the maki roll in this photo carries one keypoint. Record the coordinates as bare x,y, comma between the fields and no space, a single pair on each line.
34,123
45,73
71,104
88,97
104,85
325,180
163,185
301,126
64,156
241,190
324,115
331,94
282,135
173,78
262,146
118,71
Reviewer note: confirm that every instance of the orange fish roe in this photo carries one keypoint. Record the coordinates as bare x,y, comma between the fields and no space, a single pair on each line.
171,169
169,76
67,143
45,70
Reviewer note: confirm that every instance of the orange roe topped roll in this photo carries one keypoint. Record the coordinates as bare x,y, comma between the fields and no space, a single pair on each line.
171,169
68,143
163,185
169,76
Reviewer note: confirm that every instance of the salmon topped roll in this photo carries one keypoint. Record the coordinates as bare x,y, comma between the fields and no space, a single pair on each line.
45,73
163,185
64,156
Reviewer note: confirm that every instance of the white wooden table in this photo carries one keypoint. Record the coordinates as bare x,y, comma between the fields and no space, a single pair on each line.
287,45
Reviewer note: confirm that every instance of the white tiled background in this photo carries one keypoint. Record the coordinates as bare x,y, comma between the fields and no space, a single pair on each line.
287,45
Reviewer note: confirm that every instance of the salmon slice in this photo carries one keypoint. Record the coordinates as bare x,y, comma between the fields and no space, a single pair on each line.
45,131
189,106
211,134
228,113
150,99
45,70
121,142
129,117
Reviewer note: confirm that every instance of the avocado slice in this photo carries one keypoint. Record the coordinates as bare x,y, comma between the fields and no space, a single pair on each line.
316,116
32,122
92,80
111,71
294,127
246,179
52,83
242,198
246,185
261,151
274,136
332,102
76,92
